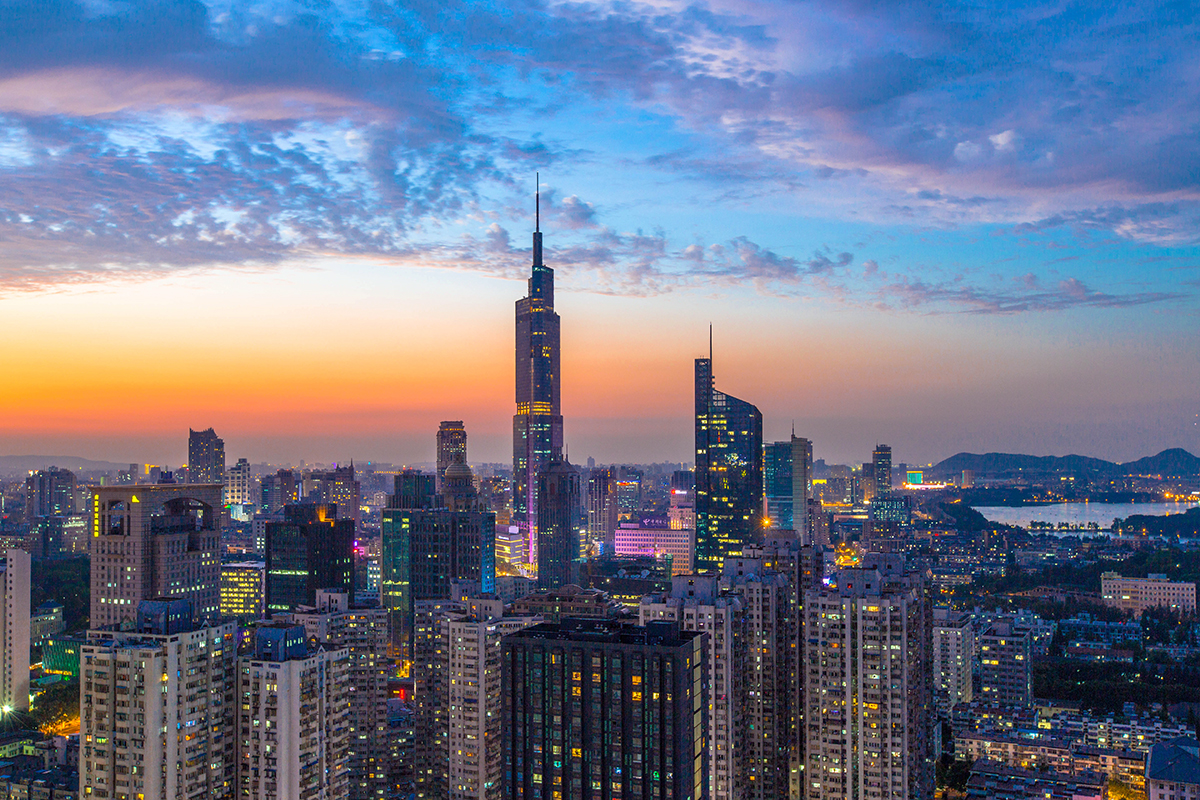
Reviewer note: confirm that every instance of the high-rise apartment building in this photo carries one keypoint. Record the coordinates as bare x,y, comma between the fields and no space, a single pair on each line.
538,423
51,493
881,470
154,541
311,549
237,484
559,523
777,482
279,490
953,659
602,507
451,447
456,676
243,590
14,635
698,603
339,487
729,481
867,685
1005,658
206,457
293,719
157,707
599,709
802,464
438,539
363,633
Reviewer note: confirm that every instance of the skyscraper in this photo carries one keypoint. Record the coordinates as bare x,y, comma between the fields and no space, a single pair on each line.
729,478
1005,655
151,541
50,493
953,657
311,549
881,463
802,461
451,447
777,482
14,635
206,457
867,684
538,423
559,523
157,712
237,484
597,709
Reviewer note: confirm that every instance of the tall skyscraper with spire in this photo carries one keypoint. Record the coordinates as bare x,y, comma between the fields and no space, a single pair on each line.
538,423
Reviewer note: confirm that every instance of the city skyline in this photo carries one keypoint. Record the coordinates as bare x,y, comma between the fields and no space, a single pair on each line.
905,227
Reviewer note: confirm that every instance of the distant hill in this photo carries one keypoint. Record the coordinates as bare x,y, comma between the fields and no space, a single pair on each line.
1175,462
10,465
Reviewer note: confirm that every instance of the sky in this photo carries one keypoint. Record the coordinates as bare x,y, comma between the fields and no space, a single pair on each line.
945,226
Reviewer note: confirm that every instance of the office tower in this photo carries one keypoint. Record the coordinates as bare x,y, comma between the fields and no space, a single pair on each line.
697,603
242,590
293,722
426,546
766,580
802,460
50,493
881,470
451,447
279,490
629,493
206,457
538,423
311,549
655,537
338,487
729,485
953,659
681,507
599,709
363,632
559,524
456,681
237,484
602,507
777,483
157,707
1004,664
154,541
14,645
867,684
413,489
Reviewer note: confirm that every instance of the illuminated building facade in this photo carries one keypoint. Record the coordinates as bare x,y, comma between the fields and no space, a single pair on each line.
953,659
1135,595
1005,659
50,493
451,447
656,537
242,590
157,717
237,484
206,457
538,423
279,490
339,487
154,541
602,507
311,549
729,475
867,685
14,636
597,709
777,483
881,470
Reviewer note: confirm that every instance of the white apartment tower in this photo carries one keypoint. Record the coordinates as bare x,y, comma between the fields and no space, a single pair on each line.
156,707
953,657
867,687
364,633
293,719
14,646
698,604
457,684
238,484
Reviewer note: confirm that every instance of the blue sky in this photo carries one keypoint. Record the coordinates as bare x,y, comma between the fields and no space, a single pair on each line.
978,201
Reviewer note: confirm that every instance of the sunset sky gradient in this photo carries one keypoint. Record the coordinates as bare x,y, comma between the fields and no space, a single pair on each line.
944,226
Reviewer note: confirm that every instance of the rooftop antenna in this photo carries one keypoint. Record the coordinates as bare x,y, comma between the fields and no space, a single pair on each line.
537,202
710,343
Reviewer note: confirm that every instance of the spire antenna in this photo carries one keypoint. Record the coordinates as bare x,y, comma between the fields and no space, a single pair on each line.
710,342
537,202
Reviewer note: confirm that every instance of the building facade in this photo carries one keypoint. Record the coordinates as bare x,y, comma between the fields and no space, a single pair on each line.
560,523
154,541
451,447
729,479
311,549
206,457
243,588
953,659
1135,595
1005,659
599,709
14,641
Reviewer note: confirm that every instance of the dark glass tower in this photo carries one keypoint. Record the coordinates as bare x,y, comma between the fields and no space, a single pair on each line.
206,457
777,477
729,472
559,523
311,549
538,423
881,460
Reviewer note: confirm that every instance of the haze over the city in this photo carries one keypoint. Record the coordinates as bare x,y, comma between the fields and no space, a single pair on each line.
932,225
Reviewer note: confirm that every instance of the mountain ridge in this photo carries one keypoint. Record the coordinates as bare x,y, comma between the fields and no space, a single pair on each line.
1173,462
